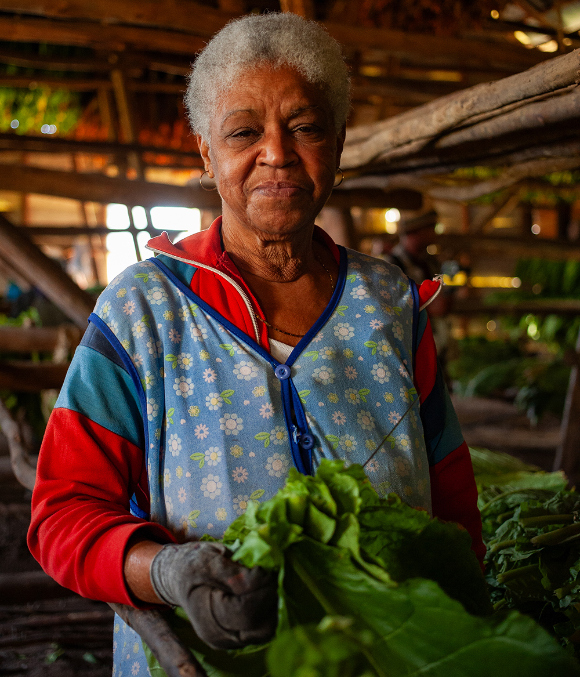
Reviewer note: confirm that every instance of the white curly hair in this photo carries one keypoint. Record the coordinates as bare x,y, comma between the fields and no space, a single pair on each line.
274,38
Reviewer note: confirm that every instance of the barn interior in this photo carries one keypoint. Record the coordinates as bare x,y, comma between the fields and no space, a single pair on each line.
470,110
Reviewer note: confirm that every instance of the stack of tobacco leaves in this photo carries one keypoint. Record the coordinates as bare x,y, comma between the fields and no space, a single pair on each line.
532,531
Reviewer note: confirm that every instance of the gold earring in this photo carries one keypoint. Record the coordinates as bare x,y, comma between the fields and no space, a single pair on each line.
341,178
207,190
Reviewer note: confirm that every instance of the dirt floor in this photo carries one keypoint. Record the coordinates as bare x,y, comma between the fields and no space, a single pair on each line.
46,631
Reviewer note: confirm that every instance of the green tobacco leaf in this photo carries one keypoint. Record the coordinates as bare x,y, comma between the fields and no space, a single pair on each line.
409,544
418,629
394,574
330,649
318,525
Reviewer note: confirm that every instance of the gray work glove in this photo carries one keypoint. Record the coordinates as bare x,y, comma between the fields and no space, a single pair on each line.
227,604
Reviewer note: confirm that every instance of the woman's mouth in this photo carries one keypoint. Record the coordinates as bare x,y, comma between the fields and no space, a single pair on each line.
278,189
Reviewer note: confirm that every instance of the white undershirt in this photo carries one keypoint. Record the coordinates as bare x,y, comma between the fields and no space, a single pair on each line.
281,351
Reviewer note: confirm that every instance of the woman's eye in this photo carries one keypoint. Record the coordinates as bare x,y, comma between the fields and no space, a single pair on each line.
308,129
242,133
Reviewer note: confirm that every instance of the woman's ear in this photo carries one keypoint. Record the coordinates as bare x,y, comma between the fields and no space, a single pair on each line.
204,152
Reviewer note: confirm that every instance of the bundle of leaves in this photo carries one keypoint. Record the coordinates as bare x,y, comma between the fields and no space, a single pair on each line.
531,526
370,587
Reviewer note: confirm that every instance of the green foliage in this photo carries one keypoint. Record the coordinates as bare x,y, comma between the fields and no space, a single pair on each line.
531,528
370,587
487,368
36,107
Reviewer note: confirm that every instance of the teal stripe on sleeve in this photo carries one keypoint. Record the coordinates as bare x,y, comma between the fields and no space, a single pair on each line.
183,271
421,324
103,392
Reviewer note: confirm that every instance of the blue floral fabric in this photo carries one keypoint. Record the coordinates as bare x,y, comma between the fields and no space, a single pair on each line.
224,421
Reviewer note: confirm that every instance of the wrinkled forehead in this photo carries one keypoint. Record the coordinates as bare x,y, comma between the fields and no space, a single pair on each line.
263,88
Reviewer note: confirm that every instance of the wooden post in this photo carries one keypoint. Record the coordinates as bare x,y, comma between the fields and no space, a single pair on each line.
23,466
126,121
44,273
154,630
568,453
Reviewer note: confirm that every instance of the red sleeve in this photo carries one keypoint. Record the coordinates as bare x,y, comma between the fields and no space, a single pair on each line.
81,522
454,495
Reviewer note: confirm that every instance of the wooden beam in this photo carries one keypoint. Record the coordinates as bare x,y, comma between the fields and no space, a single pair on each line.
108,37
36,339
500,246
105,189
44,273
414,129
55,144
201,20
89,85
468,52
87,64
194,17
31,377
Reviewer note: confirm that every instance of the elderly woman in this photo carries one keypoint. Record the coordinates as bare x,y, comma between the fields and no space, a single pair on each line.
257,345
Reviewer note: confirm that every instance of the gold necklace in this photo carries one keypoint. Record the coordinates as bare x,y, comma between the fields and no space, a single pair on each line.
288,333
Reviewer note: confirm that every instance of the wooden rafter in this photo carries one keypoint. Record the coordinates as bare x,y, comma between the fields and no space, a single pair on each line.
188,16
173,22
44,273
414,130
47,144
97,36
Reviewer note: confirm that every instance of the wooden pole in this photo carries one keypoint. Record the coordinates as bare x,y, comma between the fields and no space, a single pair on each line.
568,453
23,466
44,273
173,656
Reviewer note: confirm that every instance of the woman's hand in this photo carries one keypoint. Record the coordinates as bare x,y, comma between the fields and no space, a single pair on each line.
228,605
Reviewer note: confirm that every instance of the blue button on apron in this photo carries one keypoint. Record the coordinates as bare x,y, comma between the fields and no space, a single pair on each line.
282,372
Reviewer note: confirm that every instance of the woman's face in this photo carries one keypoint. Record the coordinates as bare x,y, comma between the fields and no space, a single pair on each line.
273,150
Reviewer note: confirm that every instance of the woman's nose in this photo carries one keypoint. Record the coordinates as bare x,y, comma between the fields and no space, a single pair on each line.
277,149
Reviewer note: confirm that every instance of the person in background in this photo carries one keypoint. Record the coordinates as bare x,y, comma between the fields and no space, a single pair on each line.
410,253
196,387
